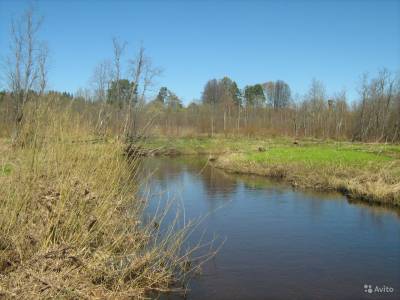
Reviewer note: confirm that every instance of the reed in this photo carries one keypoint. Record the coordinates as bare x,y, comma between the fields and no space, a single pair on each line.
71,220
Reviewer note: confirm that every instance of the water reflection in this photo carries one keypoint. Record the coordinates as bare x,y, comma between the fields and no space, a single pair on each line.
281,243
214,181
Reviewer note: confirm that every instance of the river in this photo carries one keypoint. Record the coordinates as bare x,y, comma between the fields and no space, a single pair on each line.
279,243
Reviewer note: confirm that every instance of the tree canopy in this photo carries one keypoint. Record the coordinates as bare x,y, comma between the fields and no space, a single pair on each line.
121,92
254,95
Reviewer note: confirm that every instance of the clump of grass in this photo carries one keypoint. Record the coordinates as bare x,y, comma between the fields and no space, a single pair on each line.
5,169
70,219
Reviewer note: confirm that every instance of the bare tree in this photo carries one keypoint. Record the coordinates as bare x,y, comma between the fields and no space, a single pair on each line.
101,78
375,114
360,129
27,63
42,67
278,93
119,48
143,73
210,97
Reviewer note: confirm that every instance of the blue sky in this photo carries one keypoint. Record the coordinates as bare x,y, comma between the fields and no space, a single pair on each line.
193,41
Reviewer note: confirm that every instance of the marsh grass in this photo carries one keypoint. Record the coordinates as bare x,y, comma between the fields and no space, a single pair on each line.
364,171
71,221
365,176
220,144
319,156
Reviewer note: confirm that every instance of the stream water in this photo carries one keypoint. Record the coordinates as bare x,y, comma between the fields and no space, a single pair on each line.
279,243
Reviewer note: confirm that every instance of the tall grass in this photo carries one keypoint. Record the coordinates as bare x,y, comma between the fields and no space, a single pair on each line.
71,221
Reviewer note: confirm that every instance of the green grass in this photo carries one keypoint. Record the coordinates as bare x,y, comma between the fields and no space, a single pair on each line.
368,171
5,169
283,149
211,145
318,155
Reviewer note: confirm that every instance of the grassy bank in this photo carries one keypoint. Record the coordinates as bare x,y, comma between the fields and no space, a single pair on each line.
71,224
369,172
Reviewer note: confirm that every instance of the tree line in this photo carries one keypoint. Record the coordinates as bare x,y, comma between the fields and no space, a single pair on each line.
118,100
269,109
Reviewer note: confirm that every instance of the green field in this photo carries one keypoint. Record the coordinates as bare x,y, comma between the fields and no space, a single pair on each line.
319,155
281,148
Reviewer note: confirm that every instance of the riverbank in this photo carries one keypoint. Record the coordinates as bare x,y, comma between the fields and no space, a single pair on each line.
368,172
71,223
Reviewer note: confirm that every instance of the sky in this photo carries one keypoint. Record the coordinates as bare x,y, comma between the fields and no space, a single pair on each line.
194,41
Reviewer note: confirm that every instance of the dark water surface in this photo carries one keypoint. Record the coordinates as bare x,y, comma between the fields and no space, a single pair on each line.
280,243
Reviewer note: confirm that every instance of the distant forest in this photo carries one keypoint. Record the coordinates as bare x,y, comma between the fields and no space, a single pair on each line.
120,105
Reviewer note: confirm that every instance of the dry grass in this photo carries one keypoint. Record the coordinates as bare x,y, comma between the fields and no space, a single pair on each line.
373,183
71,223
